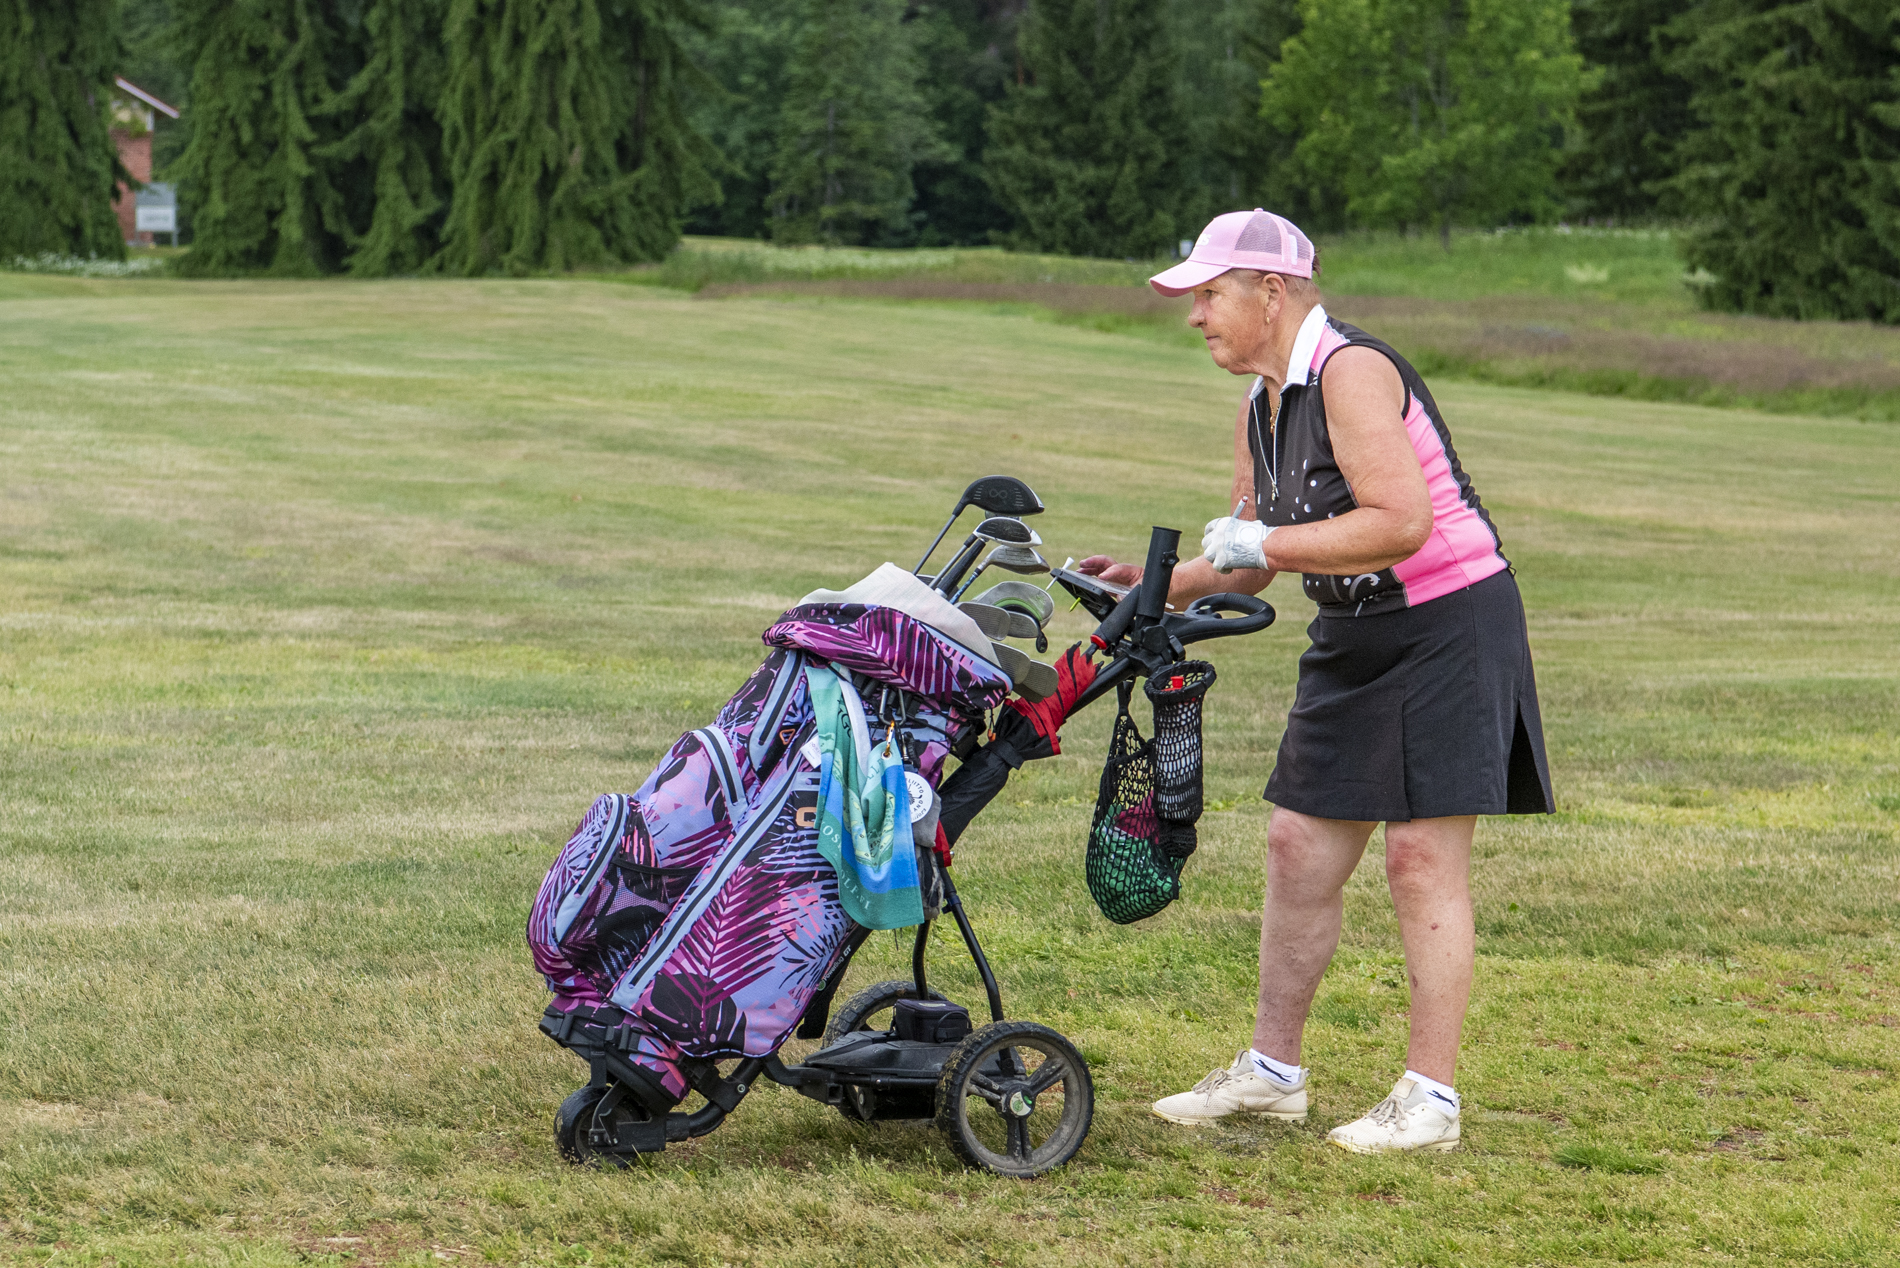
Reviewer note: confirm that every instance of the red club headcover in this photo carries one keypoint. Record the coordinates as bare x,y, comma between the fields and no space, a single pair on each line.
1074,672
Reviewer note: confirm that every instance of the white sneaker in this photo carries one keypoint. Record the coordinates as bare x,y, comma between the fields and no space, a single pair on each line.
1410,1118
1235,1090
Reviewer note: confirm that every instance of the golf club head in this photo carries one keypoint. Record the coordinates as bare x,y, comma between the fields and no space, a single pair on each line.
998,622
1002,495
1017,559
1007,530
1034,680
1019,596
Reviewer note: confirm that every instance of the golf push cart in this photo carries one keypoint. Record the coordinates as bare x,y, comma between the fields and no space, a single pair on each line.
1013,1097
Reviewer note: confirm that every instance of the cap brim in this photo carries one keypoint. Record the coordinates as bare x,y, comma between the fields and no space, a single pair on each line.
1185,276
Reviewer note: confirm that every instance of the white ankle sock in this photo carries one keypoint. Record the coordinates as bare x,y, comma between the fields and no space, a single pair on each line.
1278,1071
1440,1091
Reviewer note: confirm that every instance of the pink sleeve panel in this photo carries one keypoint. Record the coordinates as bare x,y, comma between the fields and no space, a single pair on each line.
1462,550
1330,341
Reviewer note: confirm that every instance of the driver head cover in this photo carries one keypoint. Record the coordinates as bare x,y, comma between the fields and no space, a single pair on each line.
1240,240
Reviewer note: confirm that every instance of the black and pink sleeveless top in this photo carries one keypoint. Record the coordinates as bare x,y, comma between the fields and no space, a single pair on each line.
1297,481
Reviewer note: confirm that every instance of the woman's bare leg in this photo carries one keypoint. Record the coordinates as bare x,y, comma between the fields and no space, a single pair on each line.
1308,863
1428,868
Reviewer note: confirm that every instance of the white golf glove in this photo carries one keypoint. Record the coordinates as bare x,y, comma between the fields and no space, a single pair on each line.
1231,543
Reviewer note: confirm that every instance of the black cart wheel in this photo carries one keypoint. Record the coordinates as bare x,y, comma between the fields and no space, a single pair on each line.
869,1009
1016,1099
576,1116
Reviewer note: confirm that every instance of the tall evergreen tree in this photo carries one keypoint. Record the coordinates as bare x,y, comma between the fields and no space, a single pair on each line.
1227,47
391,104
58,166
1631,122
852,127
1087,151
566,135
968,51
744,49
1430,112
155,63
263,196
1793,177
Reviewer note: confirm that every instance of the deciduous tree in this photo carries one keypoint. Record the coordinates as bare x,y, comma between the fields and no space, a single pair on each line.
1430,112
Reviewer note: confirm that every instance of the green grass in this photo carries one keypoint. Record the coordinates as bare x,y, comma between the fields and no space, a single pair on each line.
325,609
1607,312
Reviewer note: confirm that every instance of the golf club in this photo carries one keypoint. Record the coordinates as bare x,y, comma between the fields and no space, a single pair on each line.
1019,596
997,495
1011,559
998,622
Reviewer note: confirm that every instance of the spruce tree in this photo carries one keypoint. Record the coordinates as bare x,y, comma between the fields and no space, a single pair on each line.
1086,152
263,196
1429,112
1226,49
743,50
852,128
391,104
154,62
566,138
1631,122
1793,176
967,49
58,165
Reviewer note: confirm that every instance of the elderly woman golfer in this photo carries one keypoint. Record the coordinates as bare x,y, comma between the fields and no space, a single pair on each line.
1416,706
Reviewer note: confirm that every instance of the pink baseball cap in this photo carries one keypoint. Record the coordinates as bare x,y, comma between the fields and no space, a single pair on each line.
1240,240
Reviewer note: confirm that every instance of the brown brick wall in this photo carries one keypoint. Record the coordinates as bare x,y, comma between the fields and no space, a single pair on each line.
136,153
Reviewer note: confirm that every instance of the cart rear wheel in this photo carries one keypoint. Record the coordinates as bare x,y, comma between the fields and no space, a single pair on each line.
1015,1099
869,1009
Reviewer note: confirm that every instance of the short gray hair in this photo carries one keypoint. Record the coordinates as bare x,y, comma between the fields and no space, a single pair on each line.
1297,287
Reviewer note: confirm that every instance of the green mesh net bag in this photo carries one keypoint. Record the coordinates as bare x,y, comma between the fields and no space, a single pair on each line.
1134,857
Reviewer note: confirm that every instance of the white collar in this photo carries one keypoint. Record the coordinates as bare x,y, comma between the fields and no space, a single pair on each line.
1305,344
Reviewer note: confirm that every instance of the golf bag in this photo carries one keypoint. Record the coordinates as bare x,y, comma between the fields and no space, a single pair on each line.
695,918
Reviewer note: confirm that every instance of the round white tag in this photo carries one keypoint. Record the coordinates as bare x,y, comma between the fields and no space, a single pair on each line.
921,794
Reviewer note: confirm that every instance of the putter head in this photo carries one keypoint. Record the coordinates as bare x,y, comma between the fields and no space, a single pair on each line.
1019,596
1018,559
1006,530
1002,495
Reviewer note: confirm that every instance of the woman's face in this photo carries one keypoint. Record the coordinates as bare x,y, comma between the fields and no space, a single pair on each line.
1234,314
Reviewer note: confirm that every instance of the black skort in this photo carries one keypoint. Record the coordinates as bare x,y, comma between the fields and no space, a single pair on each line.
1419,713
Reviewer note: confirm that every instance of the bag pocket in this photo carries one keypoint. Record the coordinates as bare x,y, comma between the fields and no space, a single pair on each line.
637,898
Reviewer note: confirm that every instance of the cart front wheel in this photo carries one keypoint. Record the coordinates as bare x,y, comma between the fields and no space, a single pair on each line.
1015,1099
575,1119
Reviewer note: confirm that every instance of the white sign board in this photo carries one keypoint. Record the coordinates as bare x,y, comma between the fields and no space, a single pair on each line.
157,219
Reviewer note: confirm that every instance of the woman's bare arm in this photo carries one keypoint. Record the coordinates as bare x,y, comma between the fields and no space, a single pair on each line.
1365,405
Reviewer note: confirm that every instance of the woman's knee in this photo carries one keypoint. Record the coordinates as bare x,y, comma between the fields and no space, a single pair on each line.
1427,858
1309,854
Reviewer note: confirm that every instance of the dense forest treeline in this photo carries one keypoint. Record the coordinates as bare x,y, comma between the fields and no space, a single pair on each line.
475,136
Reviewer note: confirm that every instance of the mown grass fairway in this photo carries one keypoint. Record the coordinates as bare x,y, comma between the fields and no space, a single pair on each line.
325,610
